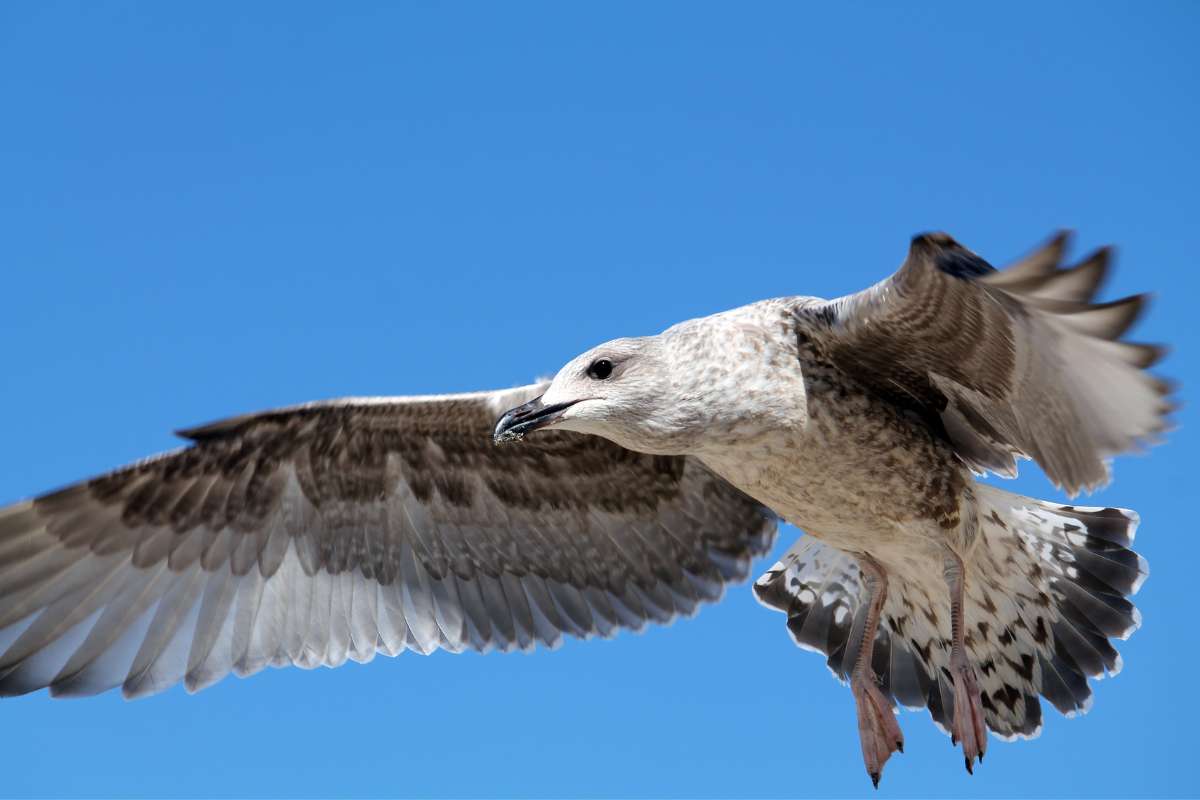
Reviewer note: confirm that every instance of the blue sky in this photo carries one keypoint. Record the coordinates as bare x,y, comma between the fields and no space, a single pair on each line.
214,208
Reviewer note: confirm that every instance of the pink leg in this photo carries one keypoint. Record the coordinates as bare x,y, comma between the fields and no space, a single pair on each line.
877,727
968,726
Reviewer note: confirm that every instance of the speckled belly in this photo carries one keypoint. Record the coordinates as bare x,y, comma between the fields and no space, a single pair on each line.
861,475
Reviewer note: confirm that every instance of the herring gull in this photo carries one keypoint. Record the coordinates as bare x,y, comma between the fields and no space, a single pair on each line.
652,471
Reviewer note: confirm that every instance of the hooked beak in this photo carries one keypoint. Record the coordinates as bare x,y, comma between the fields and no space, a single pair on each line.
526,418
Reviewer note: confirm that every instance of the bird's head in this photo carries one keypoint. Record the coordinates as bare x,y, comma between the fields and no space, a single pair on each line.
618,390
694,386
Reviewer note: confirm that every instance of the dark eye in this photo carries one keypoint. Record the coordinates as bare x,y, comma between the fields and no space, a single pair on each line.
600,369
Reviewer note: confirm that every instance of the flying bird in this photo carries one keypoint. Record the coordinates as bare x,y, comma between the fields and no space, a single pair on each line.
632,488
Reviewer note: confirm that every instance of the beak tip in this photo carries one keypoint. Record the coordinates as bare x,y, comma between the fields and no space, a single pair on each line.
531,416
504,437
503,433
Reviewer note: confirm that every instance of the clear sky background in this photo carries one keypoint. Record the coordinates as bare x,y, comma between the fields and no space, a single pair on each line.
213,208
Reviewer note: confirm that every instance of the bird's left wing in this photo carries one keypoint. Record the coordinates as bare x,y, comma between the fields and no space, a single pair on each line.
337,530
1014,363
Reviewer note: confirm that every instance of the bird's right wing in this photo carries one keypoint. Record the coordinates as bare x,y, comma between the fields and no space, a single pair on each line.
337,530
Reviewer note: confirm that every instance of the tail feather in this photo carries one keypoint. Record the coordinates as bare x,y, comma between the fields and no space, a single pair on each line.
1069,570
1047,589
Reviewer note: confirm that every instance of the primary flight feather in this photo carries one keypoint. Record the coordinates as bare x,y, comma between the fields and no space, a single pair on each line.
656,471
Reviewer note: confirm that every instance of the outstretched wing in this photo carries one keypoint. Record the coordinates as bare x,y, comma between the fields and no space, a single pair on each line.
1019,362
336,530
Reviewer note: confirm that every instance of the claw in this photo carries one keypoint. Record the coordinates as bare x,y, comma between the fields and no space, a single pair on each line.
968,727
877,727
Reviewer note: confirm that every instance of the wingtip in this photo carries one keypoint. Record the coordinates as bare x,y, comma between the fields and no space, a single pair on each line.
1051,251
1036,265
1061,238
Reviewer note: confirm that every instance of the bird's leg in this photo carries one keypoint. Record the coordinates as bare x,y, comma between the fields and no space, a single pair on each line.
877,727
968,726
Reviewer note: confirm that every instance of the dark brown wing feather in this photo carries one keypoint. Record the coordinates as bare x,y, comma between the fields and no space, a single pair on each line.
1005,364
335,530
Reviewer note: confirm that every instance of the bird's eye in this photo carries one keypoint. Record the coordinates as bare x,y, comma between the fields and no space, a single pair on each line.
600,369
